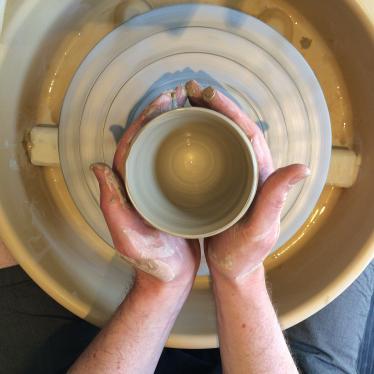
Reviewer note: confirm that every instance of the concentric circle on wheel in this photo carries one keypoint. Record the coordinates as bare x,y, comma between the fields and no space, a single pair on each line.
154,52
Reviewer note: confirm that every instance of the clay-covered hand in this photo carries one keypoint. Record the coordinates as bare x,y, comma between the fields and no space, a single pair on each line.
241,249
154,253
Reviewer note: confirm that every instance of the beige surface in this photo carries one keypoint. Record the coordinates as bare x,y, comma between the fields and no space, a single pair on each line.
344,168
44,230
368,7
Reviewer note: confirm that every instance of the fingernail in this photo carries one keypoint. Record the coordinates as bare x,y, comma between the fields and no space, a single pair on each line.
191,88
209,93
300,177
96,166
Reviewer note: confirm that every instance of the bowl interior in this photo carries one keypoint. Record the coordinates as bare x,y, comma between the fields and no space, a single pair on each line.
197,176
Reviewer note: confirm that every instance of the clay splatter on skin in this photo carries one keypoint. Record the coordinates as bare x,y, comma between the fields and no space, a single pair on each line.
154,267
226,263
155,243
113,184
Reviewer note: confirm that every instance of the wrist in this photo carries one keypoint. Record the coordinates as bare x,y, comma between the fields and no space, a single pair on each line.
253,281
147,285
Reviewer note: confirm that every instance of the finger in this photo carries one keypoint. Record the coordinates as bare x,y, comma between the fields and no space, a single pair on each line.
163,103
271,199
221,103
117,213
181,96
195,94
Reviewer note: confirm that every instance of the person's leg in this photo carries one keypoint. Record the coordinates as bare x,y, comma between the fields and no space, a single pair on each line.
366,356
186,361
330,340
37,335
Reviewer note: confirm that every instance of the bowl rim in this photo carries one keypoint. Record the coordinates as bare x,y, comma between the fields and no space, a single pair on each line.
156,122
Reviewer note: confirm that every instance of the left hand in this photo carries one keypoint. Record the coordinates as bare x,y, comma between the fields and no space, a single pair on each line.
157,256
240,250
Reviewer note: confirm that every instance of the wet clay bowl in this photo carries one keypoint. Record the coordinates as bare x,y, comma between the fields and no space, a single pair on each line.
191,172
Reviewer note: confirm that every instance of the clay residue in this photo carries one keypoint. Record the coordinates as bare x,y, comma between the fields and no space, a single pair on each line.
305,42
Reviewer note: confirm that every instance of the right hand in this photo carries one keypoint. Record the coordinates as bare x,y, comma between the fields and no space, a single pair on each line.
238,251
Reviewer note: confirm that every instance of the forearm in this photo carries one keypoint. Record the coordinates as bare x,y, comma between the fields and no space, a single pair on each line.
133,340
251,339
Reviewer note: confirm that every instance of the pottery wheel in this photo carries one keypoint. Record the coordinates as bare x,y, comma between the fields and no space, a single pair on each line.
234,52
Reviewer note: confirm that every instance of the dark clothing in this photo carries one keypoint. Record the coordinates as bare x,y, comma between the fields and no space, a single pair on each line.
37,335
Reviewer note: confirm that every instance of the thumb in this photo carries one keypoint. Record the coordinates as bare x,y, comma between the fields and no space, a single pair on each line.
272,197
126,227
118,214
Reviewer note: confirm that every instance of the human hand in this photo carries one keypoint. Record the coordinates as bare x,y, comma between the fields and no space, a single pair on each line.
241,249
157,256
